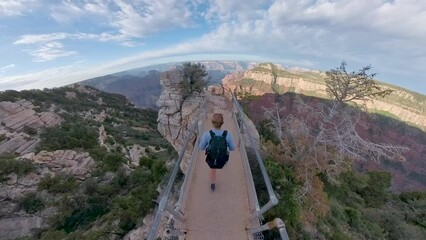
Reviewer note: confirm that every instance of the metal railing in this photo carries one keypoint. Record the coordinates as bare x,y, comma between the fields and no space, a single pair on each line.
163,204
189,173
277,223
253,201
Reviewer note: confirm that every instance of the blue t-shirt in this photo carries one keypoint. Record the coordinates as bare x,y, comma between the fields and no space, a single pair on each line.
206,139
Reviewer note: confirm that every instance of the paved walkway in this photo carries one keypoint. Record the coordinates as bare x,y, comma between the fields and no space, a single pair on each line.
222,214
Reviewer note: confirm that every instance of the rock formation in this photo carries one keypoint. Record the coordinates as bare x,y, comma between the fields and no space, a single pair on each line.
177,112
18,121
12,228
18,224
64,161
135,152
16,115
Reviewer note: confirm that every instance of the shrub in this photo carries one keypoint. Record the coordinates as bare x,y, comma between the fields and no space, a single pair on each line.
58,184
29,130
98,153
129,209
113,161
158,170
9,95
412,196
31,203
2,137
377,191
8,165
146,161
53,235
69,135
85,214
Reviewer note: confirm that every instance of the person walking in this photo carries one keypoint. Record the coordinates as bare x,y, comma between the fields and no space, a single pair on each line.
217,143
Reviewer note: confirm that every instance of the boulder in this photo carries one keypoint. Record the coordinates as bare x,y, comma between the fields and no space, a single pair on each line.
70,162
17,227
135,152
16,119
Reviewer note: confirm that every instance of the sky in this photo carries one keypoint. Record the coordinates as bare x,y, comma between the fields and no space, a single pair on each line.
51,43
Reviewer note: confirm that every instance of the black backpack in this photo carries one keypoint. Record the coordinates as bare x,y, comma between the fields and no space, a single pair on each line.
217,151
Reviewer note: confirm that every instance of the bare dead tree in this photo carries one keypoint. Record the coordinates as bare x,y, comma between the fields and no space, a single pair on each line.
325,140
348,86
337,129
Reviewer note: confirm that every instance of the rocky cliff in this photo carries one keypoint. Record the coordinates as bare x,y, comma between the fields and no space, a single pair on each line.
177,112
402,104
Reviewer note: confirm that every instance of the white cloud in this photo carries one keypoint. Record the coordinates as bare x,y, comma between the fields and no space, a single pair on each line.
388,34
225,10
398,17
47,47
2,69
43,38
15,7
97,7
43,79
49,51
66,11
137,20
134,19
146,17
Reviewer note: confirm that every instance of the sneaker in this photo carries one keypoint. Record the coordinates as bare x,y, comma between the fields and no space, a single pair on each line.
212,186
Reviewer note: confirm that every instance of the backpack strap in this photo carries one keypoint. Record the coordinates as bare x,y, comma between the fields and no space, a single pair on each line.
211,137
224,136
224,133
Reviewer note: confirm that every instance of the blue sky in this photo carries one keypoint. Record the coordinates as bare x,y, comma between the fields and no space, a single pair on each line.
50,43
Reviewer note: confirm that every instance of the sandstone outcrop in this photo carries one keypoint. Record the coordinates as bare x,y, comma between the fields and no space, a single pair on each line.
69,162
177,112
16,115
12,228
71,95
18,120
102,136
135,152
98,117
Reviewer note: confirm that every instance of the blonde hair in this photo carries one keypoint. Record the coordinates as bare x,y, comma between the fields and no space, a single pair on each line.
217,120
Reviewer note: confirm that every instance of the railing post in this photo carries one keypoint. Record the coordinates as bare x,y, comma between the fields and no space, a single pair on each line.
276,223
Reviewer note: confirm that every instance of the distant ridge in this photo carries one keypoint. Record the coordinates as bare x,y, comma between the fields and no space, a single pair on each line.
142,85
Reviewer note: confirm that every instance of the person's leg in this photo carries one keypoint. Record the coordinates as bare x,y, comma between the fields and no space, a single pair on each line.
212,179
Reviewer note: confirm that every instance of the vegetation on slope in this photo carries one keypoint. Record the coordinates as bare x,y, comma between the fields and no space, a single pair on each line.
350,206
118,195
309,153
